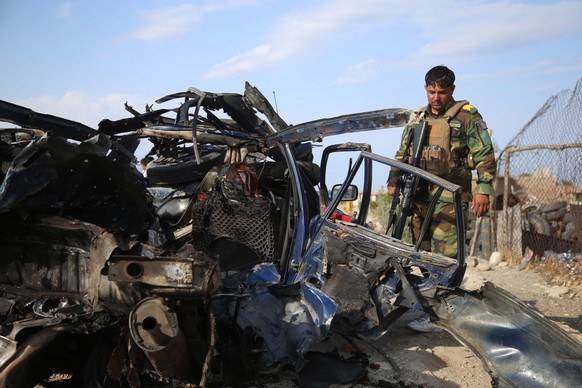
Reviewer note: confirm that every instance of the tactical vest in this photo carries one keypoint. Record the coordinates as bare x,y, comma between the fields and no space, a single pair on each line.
436,155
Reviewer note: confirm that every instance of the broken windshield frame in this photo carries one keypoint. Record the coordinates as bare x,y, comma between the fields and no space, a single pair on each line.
324,198
366,158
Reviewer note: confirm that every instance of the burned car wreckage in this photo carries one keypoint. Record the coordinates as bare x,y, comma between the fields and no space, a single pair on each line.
230,261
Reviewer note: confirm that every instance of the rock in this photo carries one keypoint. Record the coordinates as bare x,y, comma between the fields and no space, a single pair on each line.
496,258
483,265
557,291
503,264
472,281
472,261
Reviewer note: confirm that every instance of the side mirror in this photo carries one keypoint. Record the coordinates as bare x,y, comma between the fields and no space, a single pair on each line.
351,193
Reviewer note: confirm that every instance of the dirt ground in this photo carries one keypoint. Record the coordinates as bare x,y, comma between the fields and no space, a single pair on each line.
438,360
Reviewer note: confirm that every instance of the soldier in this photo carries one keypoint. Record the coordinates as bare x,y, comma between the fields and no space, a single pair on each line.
458,141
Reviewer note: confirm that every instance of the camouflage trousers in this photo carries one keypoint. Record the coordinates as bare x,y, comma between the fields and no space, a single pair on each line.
441,237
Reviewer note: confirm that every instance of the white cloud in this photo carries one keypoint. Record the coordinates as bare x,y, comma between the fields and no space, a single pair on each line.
81,107
532,69
360,72
480,30
243,62
65,10
502,26
298,35
454,30
164,23
89,110
214,6
169,22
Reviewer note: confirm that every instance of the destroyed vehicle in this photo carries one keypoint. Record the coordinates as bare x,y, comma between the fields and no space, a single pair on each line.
230,261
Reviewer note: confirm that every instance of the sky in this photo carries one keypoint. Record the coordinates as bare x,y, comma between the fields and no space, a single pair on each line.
313,59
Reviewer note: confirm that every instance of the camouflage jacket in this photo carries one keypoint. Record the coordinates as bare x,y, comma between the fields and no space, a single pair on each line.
469,136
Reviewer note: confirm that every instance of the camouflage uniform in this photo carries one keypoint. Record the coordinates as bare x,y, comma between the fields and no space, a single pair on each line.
470,147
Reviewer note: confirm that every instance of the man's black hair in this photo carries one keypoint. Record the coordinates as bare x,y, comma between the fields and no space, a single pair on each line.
440,75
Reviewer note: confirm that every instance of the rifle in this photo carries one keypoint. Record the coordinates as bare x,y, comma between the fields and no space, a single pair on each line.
409,182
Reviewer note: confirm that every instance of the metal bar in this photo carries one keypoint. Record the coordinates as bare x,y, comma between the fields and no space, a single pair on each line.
366,121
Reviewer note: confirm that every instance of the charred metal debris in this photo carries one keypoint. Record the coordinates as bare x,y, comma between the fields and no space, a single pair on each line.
227,263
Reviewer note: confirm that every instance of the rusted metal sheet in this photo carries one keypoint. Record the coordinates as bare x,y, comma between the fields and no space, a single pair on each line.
199,277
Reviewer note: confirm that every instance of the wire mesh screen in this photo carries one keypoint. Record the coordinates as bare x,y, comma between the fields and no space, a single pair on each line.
538,203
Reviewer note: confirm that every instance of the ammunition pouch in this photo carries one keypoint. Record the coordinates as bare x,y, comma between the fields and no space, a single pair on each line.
435,159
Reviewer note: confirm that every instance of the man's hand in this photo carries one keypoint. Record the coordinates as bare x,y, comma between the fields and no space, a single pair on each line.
392,183
480,204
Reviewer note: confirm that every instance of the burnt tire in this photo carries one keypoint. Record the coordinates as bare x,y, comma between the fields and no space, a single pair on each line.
569,231
552,206
183,172
555,214
539,224
568,218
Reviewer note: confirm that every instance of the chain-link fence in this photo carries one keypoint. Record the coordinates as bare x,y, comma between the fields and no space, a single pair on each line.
538,195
